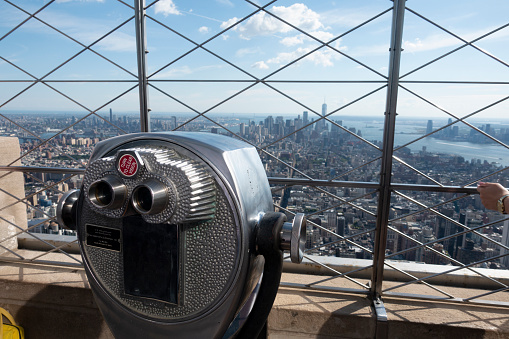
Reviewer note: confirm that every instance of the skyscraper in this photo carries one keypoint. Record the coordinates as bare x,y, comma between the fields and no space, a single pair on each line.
429,127
321,125
111,115
269,124
448,130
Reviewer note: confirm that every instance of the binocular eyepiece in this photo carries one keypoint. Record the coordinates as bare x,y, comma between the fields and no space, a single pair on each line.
151,197
108,192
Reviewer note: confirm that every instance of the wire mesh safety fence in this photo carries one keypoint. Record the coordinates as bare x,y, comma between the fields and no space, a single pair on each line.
378,181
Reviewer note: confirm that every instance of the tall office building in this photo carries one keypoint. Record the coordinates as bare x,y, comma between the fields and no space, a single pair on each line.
111,115
448,130
429,127
324,113
321,124
341,226
305,117
269,124
332,219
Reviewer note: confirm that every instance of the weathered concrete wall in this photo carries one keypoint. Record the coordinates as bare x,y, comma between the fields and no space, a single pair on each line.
49,311
12,188
57,303
51,302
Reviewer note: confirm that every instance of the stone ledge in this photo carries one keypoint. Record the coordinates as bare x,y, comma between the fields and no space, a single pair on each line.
303,313
64,308
57,303
315,314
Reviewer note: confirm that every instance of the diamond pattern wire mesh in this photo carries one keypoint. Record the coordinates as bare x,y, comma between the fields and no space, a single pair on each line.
288,166
52,143
169,84
454,228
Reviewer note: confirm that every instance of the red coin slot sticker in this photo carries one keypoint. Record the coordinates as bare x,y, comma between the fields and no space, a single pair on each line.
127,165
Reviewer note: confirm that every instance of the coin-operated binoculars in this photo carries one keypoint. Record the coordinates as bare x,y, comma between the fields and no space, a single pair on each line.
177,235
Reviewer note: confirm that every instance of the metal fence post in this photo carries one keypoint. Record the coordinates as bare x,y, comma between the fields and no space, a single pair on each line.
141,51
384,199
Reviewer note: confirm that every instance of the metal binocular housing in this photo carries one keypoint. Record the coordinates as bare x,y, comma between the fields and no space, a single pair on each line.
178,235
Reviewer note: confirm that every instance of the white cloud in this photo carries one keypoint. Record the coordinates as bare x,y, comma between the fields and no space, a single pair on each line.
301,38
299,15
262,23
412,46
229,22
203,29
293,40
322,35
320,58
260,65
323,58
166,7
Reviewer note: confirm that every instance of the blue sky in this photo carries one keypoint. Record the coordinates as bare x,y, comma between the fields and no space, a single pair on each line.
259,45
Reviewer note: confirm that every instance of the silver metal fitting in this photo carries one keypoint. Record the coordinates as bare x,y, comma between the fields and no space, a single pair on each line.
66,209
293,237
151,197
108,192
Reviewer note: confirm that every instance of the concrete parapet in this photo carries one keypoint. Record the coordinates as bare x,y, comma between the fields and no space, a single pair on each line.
445,275
50,301
12,188
56,302
303,313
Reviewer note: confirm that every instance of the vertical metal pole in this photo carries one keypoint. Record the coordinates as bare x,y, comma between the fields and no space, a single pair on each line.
384,199
141,51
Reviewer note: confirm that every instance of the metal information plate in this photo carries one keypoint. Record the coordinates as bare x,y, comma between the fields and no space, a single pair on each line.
103,237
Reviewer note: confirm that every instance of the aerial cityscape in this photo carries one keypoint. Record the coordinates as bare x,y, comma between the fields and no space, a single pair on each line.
300,147
382,122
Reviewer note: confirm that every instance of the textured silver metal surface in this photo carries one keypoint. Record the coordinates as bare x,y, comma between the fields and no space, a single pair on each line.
64,209
298,238
293,237
108,192
191,190
215,254
208,263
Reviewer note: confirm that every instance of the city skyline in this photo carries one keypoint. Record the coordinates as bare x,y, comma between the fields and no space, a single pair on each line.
459,139
322,154
260,71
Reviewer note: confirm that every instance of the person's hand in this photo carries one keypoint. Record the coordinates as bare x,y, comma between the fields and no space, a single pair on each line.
490,193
